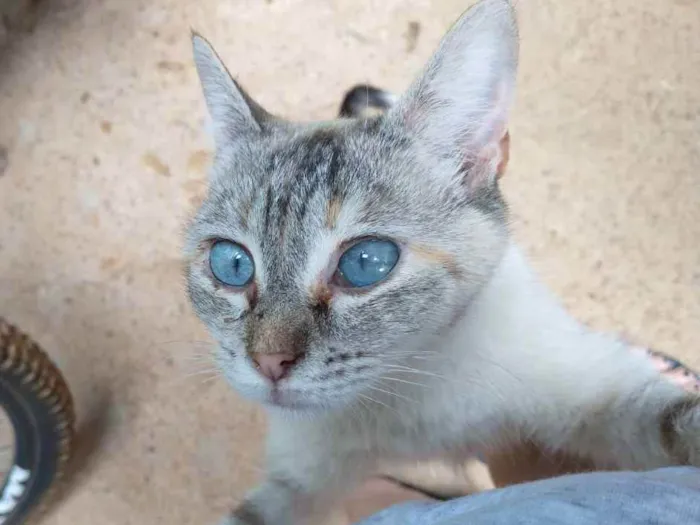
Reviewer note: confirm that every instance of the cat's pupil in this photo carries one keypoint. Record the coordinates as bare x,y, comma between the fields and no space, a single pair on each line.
363,260
231,263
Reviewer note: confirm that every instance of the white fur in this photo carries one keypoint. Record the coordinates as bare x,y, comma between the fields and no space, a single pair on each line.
516,360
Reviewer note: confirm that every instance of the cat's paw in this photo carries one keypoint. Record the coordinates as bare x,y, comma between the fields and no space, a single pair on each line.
680,430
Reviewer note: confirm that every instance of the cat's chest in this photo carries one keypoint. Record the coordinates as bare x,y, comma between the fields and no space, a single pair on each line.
429,432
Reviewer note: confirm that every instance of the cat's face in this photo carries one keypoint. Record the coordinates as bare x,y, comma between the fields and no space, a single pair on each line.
326,256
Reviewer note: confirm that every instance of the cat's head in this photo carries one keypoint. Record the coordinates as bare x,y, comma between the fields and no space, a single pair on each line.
327,254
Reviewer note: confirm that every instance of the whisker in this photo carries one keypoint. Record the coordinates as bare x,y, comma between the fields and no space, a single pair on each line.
389,392
182,346
211,379
409,370
369,398
404,381
213,371
186,341
207,375
500,367
195,357
415,351
396,356
428,355
491,388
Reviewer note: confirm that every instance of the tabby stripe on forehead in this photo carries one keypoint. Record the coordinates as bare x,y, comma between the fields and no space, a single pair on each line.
269,199
245,212
335,202
334,205
333,164
323,160
317,166
310,190
283,208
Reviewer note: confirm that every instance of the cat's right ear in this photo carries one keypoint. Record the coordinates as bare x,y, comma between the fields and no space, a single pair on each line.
233,112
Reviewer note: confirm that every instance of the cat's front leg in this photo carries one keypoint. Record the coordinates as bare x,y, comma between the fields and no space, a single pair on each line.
310,468
620,413
289,501
277,501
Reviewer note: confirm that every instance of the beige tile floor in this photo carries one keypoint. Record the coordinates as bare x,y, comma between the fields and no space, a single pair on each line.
101,120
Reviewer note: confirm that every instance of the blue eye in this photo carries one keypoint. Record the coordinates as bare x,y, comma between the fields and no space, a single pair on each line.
231,263
368,262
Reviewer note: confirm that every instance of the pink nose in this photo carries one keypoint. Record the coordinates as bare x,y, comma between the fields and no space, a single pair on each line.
274,366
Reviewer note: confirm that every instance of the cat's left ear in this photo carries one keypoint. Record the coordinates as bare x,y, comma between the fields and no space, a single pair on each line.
458,108
234,113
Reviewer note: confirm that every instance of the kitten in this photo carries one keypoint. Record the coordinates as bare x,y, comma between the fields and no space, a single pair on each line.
360,281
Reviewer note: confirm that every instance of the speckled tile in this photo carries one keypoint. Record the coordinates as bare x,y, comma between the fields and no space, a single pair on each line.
101,128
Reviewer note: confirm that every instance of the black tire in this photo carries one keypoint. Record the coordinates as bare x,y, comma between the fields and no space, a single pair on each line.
39,405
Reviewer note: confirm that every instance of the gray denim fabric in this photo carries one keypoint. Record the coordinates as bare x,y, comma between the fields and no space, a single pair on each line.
668,496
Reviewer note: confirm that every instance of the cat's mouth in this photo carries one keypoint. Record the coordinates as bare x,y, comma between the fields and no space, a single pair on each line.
290,400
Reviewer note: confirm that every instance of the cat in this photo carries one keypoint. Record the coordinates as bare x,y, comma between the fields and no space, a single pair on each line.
360,281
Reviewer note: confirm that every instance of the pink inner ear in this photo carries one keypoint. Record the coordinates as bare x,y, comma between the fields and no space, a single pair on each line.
490,163
495,122
494,145
505,155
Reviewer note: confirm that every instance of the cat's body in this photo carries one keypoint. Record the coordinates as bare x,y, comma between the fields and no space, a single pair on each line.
516,367
461,406
453,346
